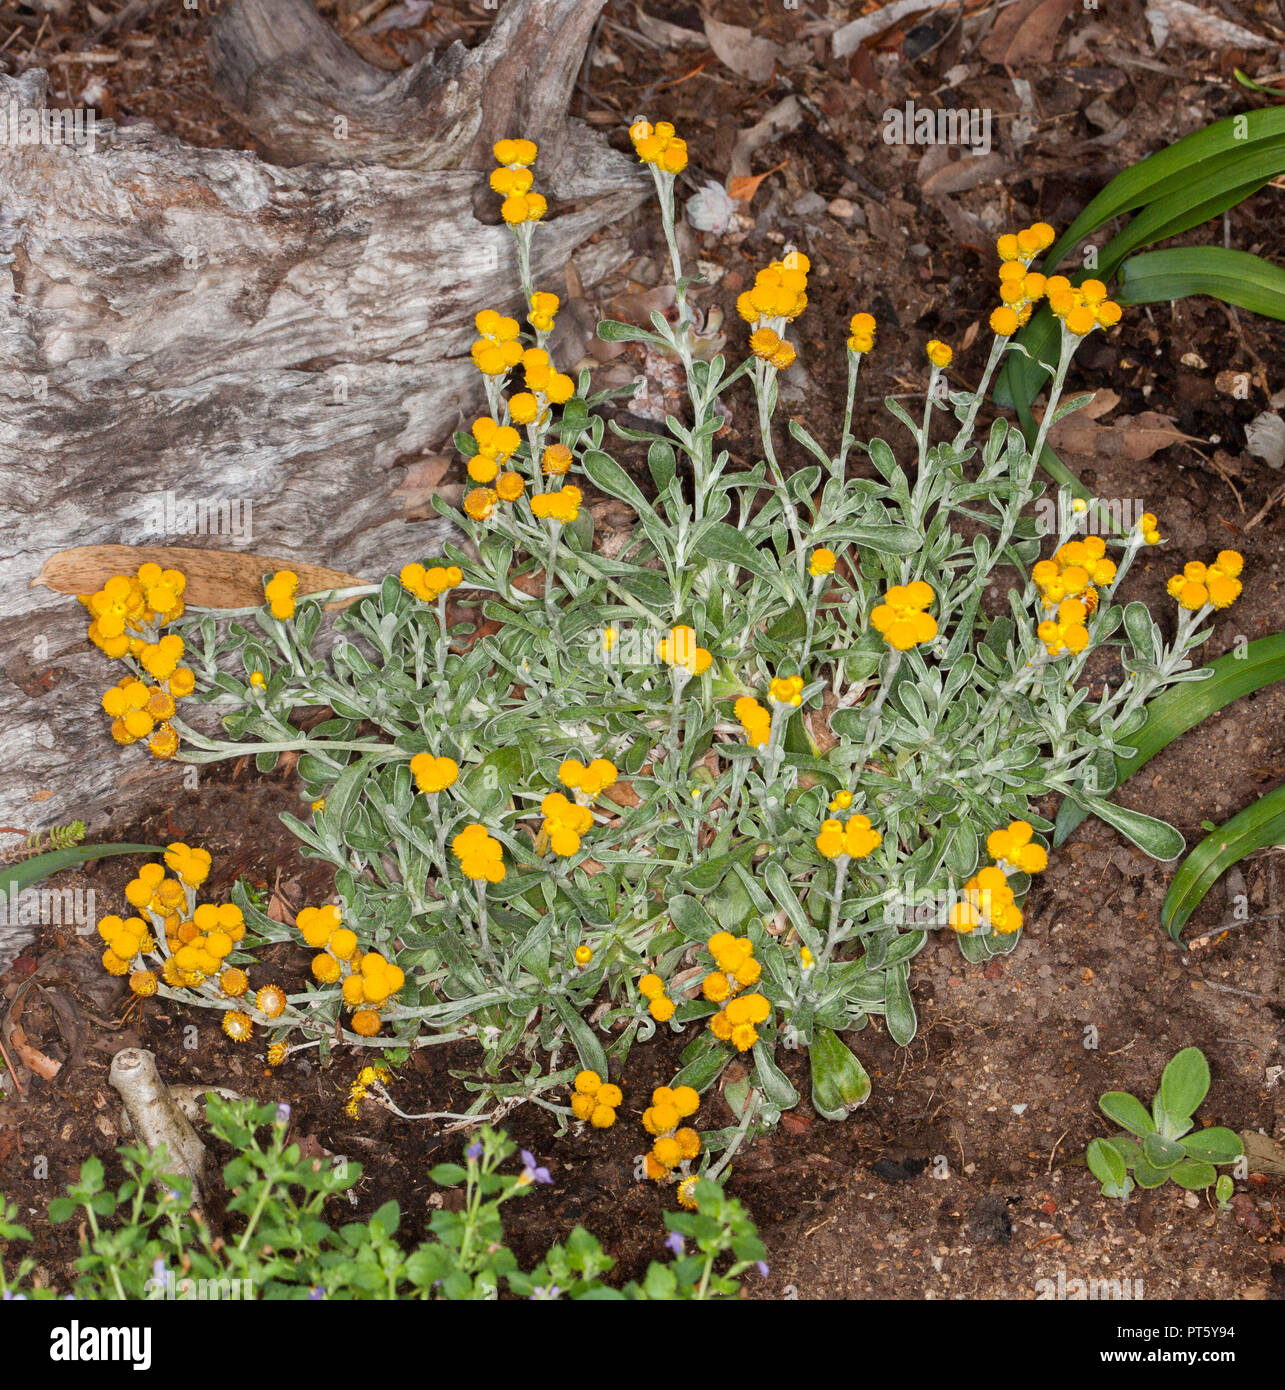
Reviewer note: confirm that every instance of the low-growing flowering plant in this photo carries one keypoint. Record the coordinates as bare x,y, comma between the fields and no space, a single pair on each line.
143,1240
717,776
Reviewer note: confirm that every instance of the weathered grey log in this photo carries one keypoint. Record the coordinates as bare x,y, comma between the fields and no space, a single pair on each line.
183,325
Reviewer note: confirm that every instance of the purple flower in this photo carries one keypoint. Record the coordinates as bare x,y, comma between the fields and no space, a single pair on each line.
283,1113
763,1269
552,1292
158,1268
474,1151
316,1294
10,1297
531,1172
674,1241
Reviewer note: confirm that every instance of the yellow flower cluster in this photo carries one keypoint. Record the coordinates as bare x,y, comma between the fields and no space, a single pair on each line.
428,585
480,856
1082,308
1066,632
141,711
659,1005
777,297
433,775
857,839
1014,846
1217,584
544,309
658,146
361,1086
900,619
280,591
737,970
1073,572
861,333
680,648
561,506
779,293
587,781
496,348
198,940
125,615
513,182
564,823
369,980
1020,289
595,1100
754,719
126,607
939,354
126,938
1149,526
986,897
674,1143
768,345
542,378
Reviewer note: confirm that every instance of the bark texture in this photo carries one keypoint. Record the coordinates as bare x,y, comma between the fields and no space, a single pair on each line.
286,329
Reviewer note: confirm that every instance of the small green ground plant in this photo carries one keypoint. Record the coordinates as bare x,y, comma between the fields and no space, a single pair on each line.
1163,1145
719,776
143,1240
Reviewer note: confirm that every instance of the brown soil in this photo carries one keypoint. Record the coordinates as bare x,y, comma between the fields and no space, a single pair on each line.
961,1176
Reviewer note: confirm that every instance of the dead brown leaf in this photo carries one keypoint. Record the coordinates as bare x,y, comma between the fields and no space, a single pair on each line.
1026,33
744,188
746,53
215,578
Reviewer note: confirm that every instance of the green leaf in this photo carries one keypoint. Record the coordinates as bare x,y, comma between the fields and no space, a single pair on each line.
1193,1175
1185,1083
1255,827
589,1049
1154,837
1177,272
773,1082
1186,165
691,919
21,875
839,1081
1127,1111
1213,1145
613,331
890,540
719,541
777,883
899,1008
1183,706
1161,1152
448,1174
605,473
1105,1163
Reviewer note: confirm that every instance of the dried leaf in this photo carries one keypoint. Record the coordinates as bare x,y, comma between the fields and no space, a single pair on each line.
1027,33
215,578
666,35
747,54
743,189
